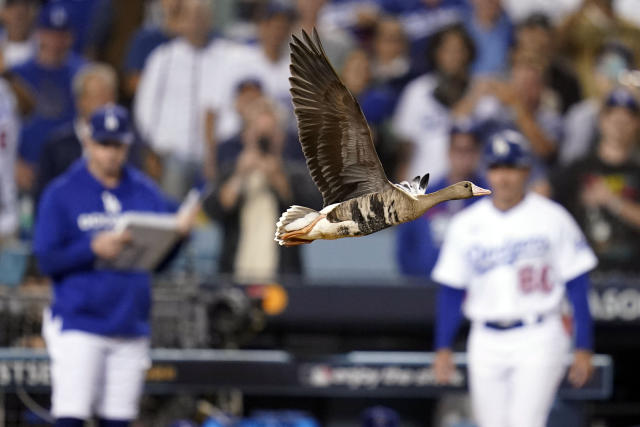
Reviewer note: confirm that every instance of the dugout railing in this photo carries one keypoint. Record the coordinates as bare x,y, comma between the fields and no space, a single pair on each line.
311,342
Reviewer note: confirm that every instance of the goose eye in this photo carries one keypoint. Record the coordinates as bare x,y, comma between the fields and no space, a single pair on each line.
466,186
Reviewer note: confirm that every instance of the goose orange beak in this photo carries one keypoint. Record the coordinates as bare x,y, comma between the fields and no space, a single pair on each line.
479,191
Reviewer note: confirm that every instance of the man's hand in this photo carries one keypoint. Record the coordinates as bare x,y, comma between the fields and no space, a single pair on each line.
248,161
153,165
581,369
443,366
186,218
505,93
108,244
271,166
25,175
597,193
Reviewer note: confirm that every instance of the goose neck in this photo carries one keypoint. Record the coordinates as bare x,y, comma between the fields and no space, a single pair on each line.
427,201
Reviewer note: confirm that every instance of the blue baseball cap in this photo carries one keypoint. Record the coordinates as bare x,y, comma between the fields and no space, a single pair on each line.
379,416
111,123
277,7
247,82
465,125
55,16
508,148
621,97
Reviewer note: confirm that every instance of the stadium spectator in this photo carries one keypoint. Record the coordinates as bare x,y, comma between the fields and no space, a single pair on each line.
337,43
602,190
583,34
581,121
271,59
48,77
247,92
170,102
266,63
418,242
522,102
94,86
421,119
492,33
535,35
82,16
110,31
9,128
390,60
420,20
145,40
17,41
255,184
355,16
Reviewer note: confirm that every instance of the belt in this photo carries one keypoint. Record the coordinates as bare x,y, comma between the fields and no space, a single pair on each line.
513,324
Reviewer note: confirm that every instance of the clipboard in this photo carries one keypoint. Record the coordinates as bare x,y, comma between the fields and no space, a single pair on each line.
153,236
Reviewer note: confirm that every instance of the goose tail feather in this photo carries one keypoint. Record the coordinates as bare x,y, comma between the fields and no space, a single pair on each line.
294,218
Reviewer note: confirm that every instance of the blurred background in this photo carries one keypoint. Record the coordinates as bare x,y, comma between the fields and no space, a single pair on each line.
207,83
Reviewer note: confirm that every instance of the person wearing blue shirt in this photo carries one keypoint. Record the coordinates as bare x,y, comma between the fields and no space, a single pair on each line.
421,20
418,242
48,77
95,86
145,40
492,33
83,15
97,328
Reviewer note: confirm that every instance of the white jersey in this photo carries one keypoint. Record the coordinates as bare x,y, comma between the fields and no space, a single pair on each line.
9,129
170,104
423,121
513,264
16,53
234,64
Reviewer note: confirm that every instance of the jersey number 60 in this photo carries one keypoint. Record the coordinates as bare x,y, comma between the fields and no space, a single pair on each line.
534,279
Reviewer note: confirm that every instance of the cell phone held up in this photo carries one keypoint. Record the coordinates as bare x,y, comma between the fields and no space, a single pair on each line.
264,145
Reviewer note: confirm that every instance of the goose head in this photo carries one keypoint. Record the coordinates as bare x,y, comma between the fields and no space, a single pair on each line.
459,190
465,190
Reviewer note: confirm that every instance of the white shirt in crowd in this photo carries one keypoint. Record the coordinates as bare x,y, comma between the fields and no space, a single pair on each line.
557,10
345,14
241,63
423,121
580,130
9,129
15,53
628,9
513,264
170,101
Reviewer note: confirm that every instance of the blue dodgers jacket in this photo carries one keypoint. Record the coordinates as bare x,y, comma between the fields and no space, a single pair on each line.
72,210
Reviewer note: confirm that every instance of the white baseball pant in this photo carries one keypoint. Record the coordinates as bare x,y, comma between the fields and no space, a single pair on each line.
93,374
514,374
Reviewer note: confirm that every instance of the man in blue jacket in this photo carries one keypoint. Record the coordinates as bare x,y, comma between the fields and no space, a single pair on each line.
418,242
47,78
97,327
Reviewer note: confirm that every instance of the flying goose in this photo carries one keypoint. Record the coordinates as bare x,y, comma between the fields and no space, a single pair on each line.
336,141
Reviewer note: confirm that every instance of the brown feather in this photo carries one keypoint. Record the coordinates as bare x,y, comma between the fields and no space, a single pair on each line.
334,134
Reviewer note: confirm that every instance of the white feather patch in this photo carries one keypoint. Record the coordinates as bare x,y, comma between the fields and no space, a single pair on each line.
301,222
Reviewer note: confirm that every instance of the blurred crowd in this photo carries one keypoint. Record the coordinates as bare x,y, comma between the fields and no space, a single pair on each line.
207,84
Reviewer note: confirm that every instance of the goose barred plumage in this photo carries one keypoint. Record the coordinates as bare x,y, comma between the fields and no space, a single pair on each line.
337,144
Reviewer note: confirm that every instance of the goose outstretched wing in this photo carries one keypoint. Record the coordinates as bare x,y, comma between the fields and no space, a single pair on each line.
334,134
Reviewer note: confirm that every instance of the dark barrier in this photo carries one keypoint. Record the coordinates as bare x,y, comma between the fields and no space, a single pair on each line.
354,374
